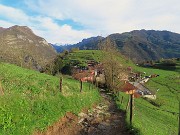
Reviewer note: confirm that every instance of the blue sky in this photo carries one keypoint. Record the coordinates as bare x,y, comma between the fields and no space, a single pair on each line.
69,21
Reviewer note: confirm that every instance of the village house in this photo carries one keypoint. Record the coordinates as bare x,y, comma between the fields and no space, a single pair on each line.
134,76
94,72
128,88
143,90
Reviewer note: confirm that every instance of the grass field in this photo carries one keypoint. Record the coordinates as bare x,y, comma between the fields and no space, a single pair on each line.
32,100
82,56
85,55
150,119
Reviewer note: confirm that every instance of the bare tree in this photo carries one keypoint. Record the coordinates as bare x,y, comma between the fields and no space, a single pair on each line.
113,69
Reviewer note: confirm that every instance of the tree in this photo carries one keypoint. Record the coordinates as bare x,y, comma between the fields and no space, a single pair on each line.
65,52
58,64
113,69
74,49
55,66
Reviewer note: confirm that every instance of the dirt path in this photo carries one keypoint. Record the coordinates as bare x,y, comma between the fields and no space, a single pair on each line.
104,119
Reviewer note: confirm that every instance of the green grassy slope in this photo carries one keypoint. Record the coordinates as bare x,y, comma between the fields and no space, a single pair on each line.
32,100
86,55
82,56
150,119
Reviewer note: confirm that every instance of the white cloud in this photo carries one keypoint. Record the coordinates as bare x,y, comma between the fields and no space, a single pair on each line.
5,24
61,34
108,16
42,26
98,17
15,15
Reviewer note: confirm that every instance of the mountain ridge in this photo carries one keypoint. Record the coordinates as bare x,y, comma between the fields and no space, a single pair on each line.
139,45
20,46
88,43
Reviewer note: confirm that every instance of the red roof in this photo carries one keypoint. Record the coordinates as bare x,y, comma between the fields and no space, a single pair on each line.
136,95
127,87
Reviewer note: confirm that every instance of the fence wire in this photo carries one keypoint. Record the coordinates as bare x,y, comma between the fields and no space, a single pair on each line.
149,119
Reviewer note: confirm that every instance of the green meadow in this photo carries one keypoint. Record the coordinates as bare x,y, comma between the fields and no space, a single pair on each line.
32,100
81,57
160,116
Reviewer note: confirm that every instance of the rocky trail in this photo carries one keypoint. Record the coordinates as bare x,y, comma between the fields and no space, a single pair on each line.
104,119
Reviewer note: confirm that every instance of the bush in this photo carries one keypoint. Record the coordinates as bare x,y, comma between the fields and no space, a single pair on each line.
158,102
169,63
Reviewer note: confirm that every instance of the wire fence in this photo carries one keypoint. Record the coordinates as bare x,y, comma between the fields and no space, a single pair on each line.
150,119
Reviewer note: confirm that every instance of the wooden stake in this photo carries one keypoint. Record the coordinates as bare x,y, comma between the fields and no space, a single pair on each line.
179,119
60,84
122,99
96,83
131,108
81,86
127,104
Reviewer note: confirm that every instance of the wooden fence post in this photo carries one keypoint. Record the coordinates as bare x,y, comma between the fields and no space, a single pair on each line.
81,86
122,99
118,94
89,85
179,119
60,84
127,106
131,108
97,84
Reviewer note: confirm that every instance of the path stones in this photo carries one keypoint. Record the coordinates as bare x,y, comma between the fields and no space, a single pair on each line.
103,126
95,119
82,115
104,119
81,120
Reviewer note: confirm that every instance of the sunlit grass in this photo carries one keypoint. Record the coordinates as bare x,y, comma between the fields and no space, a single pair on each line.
32,100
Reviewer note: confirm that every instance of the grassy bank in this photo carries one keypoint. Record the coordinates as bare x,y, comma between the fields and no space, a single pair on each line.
32,100
159,116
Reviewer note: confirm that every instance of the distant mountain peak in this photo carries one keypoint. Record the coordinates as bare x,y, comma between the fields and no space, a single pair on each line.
19,45
85,44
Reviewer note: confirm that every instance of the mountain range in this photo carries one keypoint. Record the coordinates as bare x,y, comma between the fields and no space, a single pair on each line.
86,44
20,46
138,45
